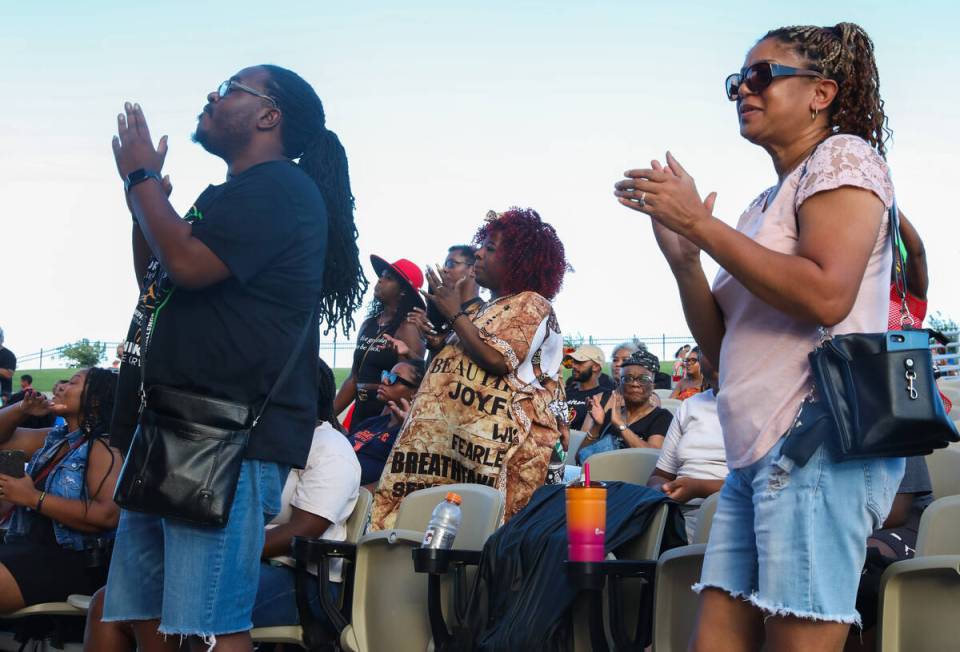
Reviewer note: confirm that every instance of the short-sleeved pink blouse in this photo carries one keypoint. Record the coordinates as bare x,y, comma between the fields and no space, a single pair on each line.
764,371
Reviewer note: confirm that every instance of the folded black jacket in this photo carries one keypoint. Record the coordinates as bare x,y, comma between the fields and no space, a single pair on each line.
521,573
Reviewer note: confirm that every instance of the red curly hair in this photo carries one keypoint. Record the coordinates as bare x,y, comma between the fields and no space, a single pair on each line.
539,262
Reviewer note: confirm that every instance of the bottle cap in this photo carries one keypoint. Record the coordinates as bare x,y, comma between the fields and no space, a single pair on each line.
454,498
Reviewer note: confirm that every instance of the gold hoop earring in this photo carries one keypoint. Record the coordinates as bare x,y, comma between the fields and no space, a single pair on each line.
813,114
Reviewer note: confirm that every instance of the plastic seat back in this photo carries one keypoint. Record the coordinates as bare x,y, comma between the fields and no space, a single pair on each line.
670,404
940,528
663,393
675,605
576,441
390,599
357,523
482,511
632,465
944,467
705,518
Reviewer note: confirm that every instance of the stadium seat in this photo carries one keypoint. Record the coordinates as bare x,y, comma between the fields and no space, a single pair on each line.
675,605
355,525
390,599
944,467
646,546
919,596
632,465
705,518
576,441
670,404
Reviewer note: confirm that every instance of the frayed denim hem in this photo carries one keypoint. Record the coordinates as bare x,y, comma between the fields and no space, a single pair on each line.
127,619
771,610
209,639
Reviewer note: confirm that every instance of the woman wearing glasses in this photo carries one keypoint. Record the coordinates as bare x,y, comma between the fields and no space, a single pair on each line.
693,382
631,418
373,438
813,250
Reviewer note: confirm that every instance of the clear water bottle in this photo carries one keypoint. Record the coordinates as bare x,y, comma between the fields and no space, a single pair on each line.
444,523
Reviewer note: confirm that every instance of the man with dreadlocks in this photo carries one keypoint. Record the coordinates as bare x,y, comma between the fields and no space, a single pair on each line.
63,515
225,294
787,545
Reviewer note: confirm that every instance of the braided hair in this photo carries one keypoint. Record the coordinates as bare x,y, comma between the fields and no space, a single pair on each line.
844,53
96,408
319,153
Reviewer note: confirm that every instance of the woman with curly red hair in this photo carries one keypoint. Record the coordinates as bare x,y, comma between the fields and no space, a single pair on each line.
487,408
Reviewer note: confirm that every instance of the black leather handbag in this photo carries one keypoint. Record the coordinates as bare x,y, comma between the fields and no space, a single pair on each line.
187,452
875,394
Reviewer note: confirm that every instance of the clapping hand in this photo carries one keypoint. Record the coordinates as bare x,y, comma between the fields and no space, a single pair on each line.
132,146
596,410
669,195
444,295
418,317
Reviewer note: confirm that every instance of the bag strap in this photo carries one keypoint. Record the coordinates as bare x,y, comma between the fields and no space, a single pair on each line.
899,268
284,373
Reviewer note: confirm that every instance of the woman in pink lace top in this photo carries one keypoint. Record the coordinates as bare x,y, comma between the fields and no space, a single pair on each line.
787,543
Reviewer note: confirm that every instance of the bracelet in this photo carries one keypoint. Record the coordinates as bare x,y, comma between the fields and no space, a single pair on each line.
462,313
43,494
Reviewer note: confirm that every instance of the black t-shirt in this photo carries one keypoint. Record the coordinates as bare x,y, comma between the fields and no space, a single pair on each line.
577,404
7,361
374,353
230,340
655,423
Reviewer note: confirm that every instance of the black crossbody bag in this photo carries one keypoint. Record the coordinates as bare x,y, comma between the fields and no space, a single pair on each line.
188,449
874,394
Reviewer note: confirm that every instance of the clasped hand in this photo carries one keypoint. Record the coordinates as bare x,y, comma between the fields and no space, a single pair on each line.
132,146
444,295
669,195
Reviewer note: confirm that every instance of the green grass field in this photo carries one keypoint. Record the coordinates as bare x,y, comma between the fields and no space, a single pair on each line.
43,379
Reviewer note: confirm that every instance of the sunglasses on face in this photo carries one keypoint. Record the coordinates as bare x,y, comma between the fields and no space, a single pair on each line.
635,380
392,378
450,263
231,84
760,75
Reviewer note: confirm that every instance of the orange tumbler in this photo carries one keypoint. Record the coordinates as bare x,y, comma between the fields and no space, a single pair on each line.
586,521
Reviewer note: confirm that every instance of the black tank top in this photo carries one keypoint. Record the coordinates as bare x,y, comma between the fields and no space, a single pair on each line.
373,353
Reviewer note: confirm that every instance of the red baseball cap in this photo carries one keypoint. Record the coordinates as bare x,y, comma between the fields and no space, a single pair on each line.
408,272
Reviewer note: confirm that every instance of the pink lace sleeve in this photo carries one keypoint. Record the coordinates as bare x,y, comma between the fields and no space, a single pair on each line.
845,160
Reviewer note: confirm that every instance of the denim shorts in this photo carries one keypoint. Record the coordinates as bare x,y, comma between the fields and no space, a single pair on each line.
196,580
792,540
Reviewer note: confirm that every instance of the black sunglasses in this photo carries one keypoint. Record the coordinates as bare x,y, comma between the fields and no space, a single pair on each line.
760,75
392,378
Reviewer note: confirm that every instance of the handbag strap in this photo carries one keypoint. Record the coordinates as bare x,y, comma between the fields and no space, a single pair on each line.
284,373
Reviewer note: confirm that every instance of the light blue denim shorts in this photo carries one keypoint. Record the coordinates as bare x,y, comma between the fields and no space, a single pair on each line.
196,580
792,540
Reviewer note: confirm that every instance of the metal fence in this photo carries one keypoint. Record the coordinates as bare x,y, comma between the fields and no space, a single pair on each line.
340,352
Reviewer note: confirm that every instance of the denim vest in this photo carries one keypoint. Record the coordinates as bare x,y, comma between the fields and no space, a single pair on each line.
66,481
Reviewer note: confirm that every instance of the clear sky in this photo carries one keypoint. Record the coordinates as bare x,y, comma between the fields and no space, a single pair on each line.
446,109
